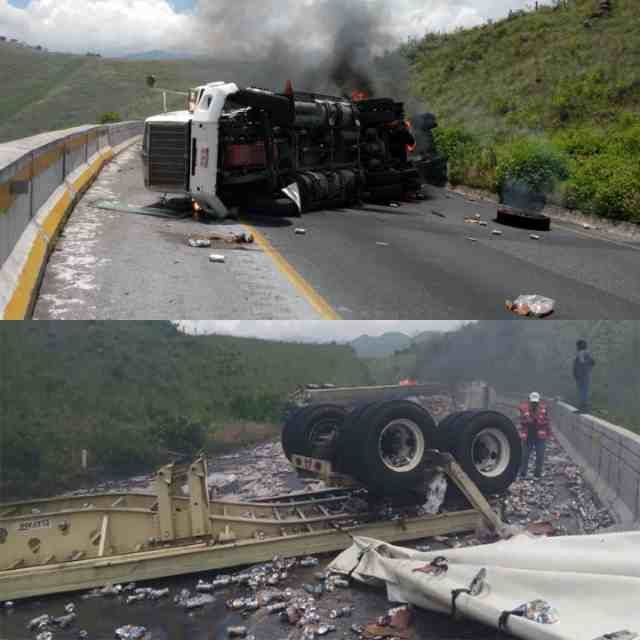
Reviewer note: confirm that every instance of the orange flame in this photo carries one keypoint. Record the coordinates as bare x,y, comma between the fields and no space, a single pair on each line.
410,147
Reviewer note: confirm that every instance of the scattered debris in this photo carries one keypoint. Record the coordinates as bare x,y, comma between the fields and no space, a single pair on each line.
437,213
541,528
293,193
539,611
587,226
237,632
531,306
382,244
300,232
395,205
496,232
533,236
309,561
217,258
131,632
199,243
472,239
233,238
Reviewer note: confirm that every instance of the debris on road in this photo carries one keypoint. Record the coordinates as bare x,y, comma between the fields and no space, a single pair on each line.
496,232
131,632
217,258
535,306
233,238
394,205
533,236
382,244
199,243
437,213
300,232
472,239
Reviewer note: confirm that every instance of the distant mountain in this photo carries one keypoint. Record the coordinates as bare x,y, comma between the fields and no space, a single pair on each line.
380,346
159,54
425,336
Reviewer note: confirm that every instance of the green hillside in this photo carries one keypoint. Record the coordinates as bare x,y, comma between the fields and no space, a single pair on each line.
127,391
523,357
553,93
44,91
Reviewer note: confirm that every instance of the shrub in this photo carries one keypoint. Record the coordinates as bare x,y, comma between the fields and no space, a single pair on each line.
532,162
109,116
606,184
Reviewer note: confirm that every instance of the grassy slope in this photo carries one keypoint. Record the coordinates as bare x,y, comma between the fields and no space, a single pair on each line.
544,74
527,65
46,91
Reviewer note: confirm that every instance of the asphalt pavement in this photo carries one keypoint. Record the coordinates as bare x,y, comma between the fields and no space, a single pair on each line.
420,260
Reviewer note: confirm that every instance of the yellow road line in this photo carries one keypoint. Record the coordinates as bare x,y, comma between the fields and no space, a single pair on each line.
307,291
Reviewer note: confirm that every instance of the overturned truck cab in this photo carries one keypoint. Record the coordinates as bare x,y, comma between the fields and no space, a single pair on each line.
288,153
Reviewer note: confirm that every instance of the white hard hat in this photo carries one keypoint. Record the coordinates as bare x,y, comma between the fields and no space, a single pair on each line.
534,397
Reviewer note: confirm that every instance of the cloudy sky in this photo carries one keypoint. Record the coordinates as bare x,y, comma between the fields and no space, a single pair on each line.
318,331
111,26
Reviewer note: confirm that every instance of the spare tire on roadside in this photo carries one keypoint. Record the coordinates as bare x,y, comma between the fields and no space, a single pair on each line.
383,445
486,444
313,431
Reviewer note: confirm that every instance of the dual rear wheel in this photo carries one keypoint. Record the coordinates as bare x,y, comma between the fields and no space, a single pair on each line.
384,444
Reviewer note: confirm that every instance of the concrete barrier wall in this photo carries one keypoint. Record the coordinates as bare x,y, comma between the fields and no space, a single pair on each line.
608,454
41,178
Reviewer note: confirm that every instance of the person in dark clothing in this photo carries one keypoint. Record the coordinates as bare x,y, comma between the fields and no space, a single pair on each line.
582,367
535,429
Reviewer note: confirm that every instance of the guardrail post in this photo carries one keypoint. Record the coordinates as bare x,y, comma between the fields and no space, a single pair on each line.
86,149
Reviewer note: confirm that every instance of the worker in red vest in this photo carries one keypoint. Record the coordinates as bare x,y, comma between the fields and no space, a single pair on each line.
535,428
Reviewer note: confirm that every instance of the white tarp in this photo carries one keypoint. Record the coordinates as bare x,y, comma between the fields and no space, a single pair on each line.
593,582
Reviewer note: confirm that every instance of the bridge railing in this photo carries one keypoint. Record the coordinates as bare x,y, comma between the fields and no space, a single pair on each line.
40,177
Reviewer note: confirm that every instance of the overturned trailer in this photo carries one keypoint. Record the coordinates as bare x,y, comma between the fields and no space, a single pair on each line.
71,543
284,152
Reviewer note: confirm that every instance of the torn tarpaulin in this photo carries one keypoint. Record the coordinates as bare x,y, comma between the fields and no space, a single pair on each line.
586,583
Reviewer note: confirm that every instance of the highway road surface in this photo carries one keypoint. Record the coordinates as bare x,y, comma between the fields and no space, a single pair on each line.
420,260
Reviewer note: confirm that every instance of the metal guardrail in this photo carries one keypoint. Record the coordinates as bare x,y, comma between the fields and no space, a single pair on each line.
31,169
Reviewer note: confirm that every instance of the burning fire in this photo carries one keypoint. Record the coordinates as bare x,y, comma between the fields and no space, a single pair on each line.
410,147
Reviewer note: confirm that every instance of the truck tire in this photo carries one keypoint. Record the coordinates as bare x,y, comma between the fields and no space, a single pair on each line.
384,445
313,431
523,219
447,429
288,429
486,444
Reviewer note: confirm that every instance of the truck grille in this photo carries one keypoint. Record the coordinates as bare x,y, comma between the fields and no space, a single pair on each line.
169,156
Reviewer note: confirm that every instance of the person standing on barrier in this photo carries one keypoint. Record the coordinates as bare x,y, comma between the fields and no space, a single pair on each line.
535,429
582,367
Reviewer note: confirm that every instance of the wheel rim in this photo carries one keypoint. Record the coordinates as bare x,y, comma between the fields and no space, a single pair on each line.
322,434
490,452
401,445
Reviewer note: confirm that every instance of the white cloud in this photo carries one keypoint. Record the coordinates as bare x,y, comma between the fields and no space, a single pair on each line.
222,25
317,331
